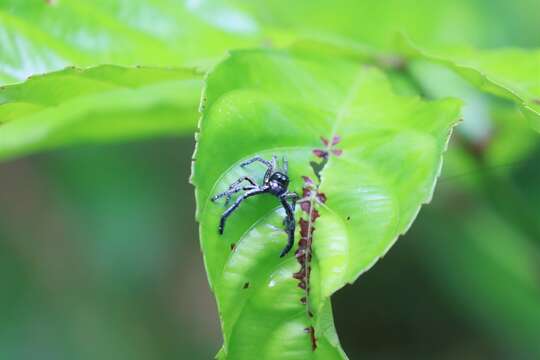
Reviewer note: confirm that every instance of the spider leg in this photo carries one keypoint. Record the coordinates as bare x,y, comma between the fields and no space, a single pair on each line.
293,197
241,179
267,163
237,203
254,159
271,169
285,165
234,188
289,226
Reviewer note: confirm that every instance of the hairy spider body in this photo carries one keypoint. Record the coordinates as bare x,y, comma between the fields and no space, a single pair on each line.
276,183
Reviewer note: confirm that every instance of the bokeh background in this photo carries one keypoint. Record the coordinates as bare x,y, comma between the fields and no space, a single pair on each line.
99,255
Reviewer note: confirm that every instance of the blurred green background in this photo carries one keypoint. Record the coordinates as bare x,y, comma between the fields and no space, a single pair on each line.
99,255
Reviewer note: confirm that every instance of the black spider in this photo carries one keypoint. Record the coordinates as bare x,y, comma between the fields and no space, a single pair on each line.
275,182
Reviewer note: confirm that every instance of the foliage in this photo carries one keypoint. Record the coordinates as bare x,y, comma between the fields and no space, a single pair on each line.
41,36
327,86
103,103
513,74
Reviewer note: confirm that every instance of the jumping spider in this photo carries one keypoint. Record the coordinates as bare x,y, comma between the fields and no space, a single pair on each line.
275,182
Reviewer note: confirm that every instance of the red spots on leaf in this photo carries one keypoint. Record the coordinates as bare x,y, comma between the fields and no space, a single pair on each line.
324,140
330,148
307,180
314,215
320,153
304,227
310,197
306,192
306,223
321,197
311,331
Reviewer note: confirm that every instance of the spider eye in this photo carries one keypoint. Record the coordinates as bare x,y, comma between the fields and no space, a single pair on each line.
280,178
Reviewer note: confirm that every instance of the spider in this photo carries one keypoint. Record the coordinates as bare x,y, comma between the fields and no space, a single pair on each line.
275,182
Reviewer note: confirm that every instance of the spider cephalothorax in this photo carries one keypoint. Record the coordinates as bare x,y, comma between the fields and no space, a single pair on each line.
275,182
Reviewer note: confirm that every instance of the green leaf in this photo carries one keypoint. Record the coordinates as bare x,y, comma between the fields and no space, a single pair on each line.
39,36
277,103
98,104
376,23
512,74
